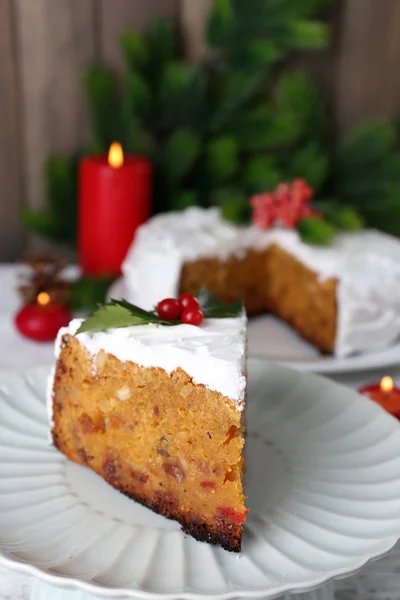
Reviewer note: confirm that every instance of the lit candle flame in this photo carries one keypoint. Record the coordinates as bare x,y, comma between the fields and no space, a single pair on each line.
387,384
115,155
43,298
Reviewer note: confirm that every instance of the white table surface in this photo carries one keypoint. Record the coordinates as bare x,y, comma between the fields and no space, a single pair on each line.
378,581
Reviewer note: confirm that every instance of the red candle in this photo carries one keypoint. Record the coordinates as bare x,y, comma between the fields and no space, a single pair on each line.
41,321
385,394
114,199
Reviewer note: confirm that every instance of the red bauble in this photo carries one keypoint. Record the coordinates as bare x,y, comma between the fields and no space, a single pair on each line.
192,317
169,309
42,322
188,301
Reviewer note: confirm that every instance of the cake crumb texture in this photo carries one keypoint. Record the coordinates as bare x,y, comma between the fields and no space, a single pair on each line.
159,438
271,280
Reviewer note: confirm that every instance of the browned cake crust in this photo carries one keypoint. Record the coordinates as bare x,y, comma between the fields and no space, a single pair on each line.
170,444
271,280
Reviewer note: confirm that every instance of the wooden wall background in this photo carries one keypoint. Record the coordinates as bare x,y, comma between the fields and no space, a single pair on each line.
45,46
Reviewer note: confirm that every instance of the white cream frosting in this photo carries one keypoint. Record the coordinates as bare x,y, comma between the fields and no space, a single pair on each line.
366,265
212,355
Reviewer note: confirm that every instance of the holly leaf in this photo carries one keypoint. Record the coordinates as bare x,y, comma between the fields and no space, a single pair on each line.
110,316
120,313
147,315
215,309
316,231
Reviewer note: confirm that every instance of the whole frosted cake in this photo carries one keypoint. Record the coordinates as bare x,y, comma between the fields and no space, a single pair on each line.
344,298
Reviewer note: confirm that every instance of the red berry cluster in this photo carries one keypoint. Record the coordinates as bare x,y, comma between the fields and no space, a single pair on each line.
186,307
288,205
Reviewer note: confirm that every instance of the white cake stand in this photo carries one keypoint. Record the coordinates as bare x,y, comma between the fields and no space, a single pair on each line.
323,485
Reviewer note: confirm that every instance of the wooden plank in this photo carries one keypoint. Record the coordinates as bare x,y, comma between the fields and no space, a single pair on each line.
368,78
117,15
11,232
55,44
194,14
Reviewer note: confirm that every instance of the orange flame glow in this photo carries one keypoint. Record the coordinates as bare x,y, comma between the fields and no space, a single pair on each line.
386,384
115,155
43,298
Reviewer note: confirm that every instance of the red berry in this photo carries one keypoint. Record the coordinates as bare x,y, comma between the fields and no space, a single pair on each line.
187,301
192,317
169,309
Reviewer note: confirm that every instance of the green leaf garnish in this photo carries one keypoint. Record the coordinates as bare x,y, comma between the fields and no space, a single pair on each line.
110,316
120,313
316,231
215,309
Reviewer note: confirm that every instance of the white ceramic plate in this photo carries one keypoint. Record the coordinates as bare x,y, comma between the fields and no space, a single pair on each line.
272,340
323,486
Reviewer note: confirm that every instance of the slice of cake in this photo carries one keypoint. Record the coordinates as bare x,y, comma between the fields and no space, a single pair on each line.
154,404
343,297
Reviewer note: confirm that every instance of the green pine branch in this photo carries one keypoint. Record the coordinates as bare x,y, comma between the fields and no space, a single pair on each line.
236,124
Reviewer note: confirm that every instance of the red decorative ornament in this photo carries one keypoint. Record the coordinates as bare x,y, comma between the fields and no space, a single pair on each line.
42,320
288,205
